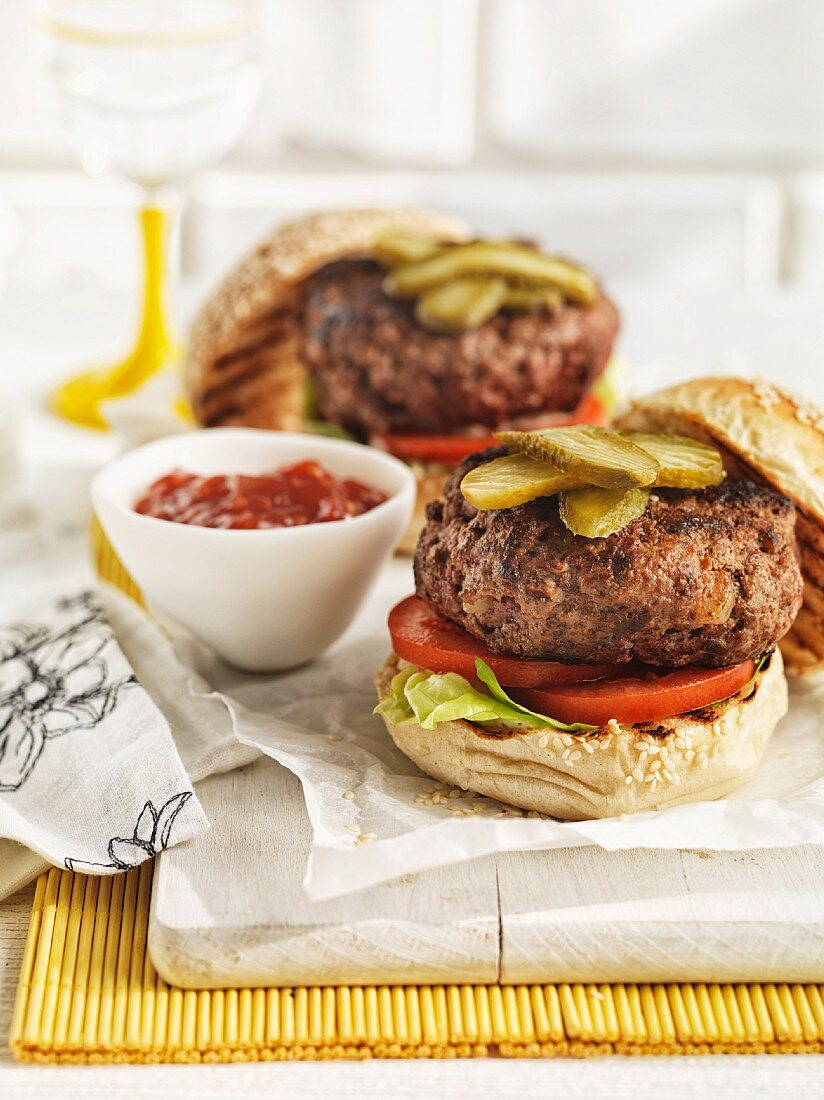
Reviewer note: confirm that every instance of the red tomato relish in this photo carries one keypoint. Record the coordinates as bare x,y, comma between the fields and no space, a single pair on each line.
290,497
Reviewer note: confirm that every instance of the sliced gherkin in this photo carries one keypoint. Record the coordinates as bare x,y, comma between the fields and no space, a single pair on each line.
516,264
403,246
683,463
461,304
526,298
598,456
514,479
596,513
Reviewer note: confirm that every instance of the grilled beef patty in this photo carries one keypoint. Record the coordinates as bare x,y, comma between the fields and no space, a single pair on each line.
375,369
701,578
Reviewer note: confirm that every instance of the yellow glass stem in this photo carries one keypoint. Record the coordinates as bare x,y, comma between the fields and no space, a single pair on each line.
79,398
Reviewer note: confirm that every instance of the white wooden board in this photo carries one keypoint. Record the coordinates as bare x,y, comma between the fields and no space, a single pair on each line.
228,910
586,915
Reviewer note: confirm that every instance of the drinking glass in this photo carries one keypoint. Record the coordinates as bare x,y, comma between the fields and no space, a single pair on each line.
153,89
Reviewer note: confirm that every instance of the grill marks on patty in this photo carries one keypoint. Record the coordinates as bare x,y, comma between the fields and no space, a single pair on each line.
702,578
375,369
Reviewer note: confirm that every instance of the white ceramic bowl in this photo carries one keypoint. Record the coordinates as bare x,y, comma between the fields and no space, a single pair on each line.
268,599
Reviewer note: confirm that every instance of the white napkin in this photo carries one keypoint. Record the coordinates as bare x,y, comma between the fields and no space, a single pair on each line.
98,747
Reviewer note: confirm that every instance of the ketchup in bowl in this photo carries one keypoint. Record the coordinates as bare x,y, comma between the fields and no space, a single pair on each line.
292,496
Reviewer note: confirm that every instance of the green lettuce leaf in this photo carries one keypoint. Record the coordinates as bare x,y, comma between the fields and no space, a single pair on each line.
312,422
429,698
323,427
487,677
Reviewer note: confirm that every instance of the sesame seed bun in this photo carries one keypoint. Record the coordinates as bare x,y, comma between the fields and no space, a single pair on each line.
244,362
692,757
770,436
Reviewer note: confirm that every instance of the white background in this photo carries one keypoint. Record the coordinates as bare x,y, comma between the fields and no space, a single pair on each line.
677,147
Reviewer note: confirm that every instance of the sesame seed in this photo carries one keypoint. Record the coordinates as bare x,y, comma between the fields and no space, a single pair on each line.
655,766
565,755
335,737
349,794
576,755
543,741
454,794
364,838
590,748
567,740
628,779
637,774
689,754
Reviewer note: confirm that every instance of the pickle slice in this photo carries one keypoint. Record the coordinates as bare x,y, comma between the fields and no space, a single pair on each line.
402,246
514,479
461,304
504,260
596,513
684,463
525,298
598,456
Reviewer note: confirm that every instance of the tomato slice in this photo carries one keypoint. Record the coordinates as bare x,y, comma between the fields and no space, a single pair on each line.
452,449
571,693
449,449
425,639
633,700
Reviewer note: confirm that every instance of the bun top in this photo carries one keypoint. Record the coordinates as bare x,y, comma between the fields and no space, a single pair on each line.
767,435
265,279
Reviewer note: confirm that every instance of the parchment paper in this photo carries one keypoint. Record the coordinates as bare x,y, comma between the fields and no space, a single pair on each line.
375,816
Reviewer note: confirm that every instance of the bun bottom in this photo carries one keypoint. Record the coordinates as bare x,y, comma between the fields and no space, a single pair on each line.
692,757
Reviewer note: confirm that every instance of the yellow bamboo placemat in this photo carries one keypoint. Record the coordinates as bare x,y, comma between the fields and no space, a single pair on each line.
88,992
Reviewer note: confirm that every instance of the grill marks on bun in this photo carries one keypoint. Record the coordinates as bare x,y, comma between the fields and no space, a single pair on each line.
769,436
254,314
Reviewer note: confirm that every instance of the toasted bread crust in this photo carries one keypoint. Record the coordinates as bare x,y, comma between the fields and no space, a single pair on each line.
244,362
770,436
